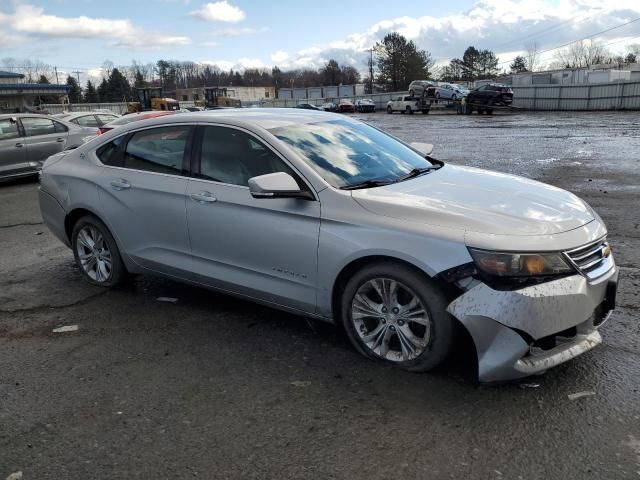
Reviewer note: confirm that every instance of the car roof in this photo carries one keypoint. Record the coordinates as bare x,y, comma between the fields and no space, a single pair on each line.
267,118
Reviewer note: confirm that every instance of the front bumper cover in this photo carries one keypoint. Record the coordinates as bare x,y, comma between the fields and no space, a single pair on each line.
505,325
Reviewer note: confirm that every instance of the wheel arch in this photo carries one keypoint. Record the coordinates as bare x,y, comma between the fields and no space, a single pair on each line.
74,215
359,263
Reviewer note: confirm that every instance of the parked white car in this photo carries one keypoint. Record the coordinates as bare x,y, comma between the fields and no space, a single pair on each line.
404,104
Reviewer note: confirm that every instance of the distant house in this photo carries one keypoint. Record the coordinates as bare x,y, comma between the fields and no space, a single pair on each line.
17,95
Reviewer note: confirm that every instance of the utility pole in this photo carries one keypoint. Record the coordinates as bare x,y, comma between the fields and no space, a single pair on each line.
55,69
77,72
370,70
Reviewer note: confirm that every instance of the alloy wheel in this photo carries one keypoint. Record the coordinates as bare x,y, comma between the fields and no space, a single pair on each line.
94,254
391,320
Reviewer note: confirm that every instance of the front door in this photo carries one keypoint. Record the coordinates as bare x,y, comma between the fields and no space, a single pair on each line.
265,248
13,151
142,190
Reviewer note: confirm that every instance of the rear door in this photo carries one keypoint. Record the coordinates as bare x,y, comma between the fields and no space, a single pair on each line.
265,248
43,137
13,151
142,190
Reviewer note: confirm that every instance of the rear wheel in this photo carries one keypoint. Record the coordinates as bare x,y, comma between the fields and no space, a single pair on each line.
96,252
394,314
389,110
408,109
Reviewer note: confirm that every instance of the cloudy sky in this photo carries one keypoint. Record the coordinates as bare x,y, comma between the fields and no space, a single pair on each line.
81,34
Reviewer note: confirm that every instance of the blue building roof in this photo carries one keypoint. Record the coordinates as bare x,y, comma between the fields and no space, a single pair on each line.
4,74
34,86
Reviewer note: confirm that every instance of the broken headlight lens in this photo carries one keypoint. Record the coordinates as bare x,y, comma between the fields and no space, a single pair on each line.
501,264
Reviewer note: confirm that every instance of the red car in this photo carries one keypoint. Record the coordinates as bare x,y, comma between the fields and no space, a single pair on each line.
346,105
132,117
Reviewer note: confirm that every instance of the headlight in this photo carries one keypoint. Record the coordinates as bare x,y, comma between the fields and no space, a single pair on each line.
501,264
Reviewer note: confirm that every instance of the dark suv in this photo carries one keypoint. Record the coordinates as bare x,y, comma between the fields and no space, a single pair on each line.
492,94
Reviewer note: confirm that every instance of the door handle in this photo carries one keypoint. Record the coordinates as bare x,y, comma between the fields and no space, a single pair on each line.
203,197
19,145
59,140
120,184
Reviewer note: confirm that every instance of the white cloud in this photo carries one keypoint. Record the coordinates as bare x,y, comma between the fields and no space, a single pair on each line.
219,12
31,20
504,26
236,32
279,57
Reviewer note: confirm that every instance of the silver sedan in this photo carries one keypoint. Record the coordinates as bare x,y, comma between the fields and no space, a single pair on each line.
27,140
325,216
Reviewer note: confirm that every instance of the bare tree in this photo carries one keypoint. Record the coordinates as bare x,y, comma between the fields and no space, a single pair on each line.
583,53
532,57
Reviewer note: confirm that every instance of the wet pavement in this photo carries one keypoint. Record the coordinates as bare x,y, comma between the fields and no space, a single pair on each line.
215,387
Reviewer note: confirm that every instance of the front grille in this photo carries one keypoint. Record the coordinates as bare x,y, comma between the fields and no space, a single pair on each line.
593,260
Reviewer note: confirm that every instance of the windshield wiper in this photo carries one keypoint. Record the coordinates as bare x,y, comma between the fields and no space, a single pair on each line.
416,172
366,184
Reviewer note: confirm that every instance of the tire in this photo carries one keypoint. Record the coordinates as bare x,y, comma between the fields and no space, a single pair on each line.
389,110
425,112
411,93
429,335
408,110
453,97
489,111
102,266
437,98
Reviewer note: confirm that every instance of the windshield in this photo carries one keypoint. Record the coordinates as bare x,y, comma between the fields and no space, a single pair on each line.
347,153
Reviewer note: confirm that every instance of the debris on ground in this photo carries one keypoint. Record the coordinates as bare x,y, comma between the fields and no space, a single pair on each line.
39,233
529,385
15,476
167,299
586,393
300,383
65,329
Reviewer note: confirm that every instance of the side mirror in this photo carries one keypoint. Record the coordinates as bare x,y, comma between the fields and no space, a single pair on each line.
424,148
277,185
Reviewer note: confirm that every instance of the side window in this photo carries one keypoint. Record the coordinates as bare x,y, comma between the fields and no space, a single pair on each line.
87,121
60,127
111,153
232,156
159,150
8,129
34,126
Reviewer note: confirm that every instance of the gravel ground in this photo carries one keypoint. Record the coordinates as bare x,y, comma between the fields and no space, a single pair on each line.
215,387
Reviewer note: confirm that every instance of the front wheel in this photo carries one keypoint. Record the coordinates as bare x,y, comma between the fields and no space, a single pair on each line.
408,110
394,314
389,110
96,252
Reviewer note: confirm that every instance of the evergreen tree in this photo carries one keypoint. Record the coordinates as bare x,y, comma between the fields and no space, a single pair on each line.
518,65
331,73
103,91
400,62
90,93
43,80
118,88
75,92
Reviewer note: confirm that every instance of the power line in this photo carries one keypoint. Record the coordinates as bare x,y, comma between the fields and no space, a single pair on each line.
579,40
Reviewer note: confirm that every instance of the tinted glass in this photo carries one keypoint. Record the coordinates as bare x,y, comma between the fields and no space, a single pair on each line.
34,126
159,150
86,121
232,156
109,153
346,153
8,129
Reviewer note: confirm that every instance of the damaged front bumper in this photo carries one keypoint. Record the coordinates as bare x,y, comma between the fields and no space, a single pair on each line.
524,332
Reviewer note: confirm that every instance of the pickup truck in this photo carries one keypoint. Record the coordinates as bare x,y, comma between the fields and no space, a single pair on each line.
408,104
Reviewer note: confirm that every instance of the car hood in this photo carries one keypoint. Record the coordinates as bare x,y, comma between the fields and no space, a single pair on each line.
478,200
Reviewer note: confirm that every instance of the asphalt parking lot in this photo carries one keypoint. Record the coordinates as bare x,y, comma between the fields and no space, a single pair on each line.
215,387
